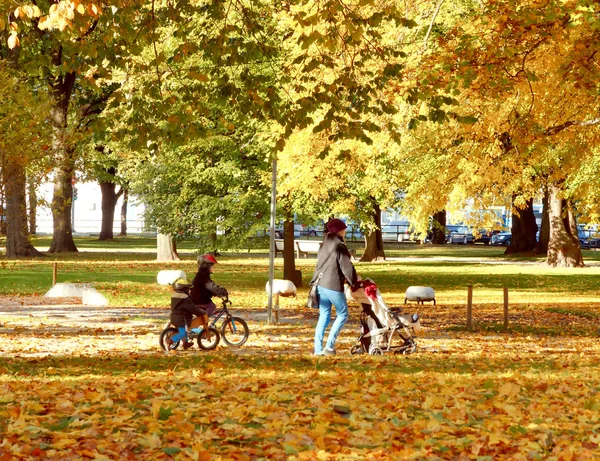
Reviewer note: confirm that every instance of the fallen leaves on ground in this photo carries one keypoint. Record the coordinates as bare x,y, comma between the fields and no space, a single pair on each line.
96,388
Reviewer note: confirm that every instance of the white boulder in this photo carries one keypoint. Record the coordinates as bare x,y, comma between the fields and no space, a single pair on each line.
66,290
420,294
282,287
92,297
89,295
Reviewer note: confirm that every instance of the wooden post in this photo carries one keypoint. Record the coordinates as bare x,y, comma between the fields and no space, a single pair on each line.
469,305
505,307
54,272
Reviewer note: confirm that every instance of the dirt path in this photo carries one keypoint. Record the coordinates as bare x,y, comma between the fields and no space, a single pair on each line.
41,327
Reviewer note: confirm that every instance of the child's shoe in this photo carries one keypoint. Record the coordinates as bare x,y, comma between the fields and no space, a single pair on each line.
187,345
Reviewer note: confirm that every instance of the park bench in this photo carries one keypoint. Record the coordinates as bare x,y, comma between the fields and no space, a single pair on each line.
304,247
278,246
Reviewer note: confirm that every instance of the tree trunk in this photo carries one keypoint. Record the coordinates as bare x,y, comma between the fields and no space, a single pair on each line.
2,208
439,227
523,230
31,192
289,254
166,250
542,245
109,202
374,240
17,242
62,200
563,248
123,232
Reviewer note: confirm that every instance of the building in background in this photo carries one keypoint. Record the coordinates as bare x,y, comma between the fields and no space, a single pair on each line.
87,211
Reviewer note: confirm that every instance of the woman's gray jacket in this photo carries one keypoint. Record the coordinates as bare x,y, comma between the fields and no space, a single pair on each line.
333,260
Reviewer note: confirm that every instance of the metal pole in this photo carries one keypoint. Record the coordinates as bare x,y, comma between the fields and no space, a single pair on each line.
505,307
73,210
272,238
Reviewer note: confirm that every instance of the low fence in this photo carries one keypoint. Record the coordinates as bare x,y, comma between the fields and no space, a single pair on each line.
93,226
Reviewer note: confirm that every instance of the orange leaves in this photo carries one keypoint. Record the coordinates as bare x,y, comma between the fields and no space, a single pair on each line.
59,16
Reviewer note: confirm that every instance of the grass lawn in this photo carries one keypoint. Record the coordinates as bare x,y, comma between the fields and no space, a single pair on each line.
101,389
126,273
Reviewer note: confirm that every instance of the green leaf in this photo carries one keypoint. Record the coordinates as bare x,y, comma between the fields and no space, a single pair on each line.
164,413
289,449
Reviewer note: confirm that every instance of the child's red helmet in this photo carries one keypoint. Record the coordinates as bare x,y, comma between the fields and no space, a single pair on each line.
207,258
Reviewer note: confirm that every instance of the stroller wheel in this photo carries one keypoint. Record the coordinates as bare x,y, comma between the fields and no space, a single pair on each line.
410,349
357,350
376,351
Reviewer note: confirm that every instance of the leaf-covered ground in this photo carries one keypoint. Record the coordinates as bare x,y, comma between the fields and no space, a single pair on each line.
79,383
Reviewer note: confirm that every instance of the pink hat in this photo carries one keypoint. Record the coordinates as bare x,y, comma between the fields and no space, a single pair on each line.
336,225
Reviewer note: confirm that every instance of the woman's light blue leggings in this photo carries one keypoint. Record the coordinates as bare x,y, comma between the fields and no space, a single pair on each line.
328,297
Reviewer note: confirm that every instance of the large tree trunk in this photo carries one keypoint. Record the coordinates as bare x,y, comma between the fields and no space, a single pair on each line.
62,200
564,249
123,232
32,195
109,202
523,229
2,207
17,242
374,240
439,227
166,250
542,245
289,254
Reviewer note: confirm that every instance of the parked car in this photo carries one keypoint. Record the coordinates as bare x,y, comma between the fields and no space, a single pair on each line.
588,238
353,232
451,229
502,238
465,235
279,231
486,236
312,231
397,231
462,235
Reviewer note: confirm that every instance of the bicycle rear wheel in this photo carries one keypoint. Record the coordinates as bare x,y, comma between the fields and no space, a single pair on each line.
209,339
235,331
165,338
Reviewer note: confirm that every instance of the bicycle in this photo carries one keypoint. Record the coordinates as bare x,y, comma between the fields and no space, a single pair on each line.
207,339
234,330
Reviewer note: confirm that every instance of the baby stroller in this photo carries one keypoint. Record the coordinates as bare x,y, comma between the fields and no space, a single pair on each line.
380,324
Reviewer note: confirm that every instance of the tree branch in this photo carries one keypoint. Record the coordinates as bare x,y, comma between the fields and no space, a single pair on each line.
558,128
435,13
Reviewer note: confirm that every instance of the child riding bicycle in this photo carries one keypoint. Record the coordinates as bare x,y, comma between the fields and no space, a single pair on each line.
182,311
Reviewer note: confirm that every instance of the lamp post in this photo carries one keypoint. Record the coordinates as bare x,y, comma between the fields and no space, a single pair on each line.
272,237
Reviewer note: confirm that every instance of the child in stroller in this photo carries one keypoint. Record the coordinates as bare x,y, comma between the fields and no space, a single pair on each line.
379,323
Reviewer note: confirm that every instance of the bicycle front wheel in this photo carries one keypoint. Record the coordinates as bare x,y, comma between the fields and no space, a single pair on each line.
208,339
235,331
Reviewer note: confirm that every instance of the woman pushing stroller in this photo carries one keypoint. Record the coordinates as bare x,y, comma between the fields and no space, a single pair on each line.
334,268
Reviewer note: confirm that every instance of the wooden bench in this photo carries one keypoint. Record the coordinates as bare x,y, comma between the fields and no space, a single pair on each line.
303,247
